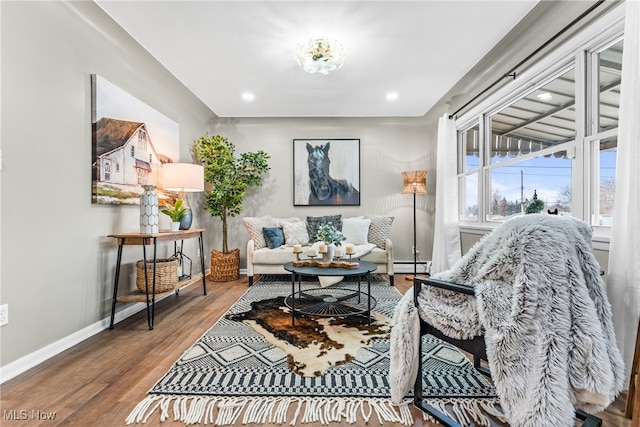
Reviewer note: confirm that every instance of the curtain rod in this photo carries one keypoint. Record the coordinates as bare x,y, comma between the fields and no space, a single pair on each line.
512,71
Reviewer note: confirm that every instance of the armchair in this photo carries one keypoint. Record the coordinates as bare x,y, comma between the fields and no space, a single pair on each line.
528,299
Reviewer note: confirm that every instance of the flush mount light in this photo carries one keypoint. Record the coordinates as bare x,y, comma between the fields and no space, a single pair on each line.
248,96
544,96
320,55
392,96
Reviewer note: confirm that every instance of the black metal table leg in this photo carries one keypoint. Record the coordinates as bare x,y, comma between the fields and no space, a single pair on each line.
293,299
369,295
153,295
146,279
115,284
204,280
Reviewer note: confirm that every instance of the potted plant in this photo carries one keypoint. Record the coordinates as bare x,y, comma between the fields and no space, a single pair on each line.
228,178
333,237
175,212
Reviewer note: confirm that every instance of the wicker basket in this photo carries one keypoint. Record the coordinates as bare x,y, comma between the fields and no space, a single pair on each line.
166,275
225,267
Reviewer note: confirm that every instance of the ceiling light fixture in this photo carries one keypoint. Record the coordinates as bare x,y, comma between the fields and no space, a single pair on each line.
320,55
545,96
247,96
392,95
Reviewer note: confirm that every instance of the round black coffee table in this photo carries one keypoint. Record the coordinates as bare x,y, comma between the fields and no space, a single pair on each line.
330,301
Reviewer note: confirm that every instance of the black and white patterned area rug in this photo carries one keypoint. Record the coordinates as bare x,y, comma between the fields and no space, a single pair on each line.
253,366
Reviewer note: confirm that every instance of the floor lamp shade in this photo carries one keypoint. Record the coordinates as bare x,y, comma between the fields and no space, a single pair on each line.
414,182
183,178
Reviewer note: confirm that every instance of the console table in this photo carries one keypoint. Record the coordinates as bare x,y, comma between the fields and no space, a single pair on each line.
153,239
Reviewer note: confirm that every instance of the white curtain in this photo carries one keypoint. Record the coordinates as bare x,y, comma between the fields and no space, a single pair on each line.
446,239
623,282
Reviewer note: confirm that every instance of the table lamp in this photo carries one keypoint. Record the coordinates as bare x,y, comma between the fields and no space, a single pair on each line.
183,178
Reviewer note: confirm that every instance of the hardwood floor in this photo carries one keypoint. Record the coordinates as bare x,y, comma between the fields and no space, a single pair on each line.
99,381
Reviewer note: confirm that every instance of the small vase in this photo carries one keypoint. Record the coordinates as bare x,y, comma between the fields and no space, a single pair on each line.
185,220
329,255
175,226
148,210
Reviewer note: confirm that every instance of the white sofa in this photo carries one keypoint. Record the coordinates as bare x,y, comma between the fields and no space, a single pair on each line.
264,260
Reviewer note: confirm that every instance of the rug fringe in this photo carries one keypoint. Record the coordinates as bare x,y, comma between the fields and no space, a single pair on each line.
467,411
274,410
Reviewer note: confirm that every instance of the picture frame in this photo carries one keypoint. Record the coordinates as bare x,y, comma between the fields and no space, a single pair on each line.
326,172
130,143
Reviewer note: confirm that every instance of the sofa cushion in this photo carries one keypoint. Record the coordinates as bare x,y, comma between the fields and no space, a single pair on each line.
277,256
377,256
314,222
274,236
379,229
356,230
295,233
254,227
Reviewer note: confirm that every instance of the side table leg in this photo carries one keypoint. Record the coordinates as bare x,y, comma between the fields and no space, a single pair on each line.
153,296
146,280
115,283
204,280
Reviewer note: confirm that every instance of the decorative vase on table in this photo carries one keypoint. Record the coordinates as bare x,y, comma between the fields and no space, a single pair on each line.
328,256
148,210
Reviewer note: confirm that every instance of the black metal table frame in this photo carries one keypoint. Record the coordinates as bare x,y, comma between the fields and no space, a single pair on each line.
298,272
150,300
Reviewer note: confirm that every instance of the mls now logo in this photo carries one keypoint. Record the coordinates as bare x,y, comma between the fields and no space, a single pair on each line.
23,414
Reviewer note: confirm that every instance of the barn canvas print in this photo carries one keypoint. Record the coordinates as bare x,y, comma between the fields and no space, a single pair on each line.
131,141
326,172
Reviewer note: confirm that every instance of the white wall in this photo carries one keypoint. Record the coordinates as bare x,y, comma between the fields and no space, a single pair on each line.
388,146
57,261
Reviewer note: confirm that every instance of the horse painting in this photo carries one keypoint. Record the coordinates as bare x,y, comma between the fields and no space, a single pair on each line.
323,189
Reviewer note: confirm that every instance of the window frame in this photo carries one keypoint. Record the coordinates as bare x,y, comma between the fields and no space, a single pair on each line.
580,53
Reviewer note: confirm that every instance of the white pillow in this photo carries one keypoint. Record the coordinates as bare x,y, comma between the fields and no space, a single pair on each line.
356,230
295,233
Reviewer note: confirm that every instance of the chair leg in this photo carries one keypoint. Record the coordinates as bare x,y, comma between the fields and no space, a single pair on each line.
589,420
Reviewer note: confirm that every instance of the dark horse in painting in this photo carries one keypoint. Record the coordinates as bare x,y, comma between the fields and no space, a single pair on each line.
324,189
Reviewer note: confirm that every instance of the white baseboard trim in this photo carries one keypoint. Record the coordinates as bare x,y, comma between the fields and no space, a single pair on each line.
31,360
408,268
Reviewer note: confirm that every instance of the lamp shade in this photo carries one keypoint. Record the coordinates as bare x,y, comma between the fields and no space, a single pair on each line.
414,182
184,177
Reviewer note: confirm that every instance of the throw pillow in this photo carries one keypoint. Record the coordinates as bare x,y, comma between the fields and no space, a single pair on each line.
314,222
295,233
254,227
274,236
356,230
379,229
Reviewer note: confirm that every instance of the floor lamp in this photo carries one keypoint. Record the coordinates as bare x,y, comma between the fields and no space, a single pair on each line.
414,182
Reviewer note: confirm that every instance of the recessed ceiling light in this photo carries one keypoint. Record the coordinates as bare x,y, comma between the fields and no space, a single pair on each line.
392,95
544,96
248,96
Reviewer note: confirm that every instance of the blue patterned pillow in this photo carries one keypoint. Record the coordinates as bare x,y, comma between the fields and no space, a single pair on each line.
273,236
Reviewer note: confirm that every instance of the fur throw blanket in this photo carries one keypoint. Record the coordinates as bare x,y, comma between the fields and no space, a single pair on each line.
541,302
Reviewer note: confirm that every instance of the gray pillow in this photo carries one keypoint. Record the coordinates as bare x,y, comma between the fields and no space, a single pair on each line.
314,222
379,229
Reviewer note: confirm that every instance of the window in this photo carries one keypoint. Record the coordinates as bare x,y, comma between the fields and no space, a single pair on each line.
552,136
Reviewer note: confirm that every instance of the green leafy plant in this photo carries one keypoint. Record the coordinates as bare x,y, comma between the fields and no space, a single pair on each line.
176,211
330,234
229,177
